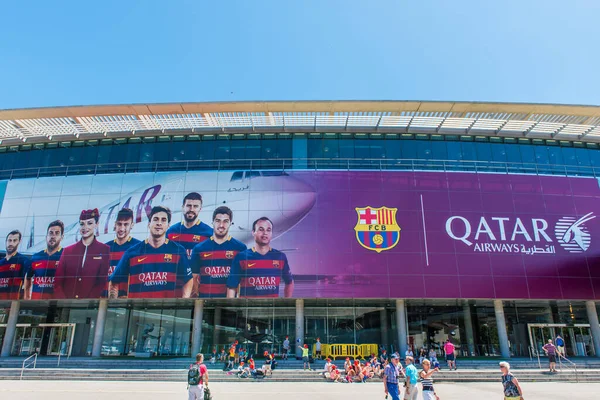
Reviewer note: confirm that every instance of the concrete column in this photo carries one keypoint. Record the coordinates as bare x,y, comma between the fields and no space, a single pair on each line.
385,338
299,327
501,325
11,327
592,318
197,332
401,324
217,322
99,331
469,329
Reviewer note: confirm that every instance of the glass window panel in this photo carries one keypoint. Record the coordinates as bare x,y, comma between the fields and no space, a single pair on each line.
315,147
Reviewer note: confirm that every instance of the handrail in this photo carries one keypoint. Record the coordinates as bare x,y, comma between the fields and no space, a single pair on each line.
34,356
478,166
570,362
537,353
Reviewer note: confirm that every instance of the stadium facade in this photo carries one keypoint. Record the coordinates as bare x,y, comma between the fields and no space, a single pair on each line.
395,223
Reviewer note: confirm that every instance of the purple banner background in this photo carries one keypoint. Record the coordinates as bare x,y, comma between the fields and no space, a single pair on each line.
329,250
315,215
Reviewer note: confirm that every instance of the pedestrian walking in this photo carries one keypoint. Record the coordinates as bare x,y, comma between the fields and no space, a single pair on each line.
426,376
391,375
412,390
512,389
197,379
560,346
550,350
450,355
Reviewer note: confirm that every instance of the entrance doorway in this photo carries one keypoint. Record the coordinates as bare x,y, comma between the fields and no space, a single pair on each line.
44,339
578,338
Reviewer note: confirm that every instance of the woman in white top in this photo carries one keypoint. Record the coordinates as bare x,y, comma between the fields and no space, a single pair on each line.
408,353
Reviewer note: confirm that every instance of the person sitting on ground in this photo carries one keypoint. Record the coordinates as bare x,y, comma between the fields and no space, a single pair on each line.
383,358
274,362
243,371
347,365
366,372
422,354
409,352
327,367
335,375
252,367
222,355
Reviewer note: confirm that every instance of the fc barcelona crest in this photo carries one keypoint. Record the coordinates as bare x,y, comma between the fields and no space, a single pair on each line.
168,257
275,263
229,254
196,238
377,228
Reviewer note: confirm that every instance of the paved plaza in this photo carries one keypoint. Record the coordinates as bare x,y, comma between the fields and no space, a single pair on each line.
71,390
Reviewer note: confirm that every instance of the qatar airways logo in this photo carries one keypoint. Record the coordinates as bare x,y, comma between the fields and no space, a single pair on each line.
572,233
217,272
519,235
263,282
153,278
44,281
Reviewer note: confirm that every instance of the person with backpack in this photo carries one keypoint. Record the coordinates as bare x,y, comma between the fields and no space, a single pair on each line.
512,389
197,379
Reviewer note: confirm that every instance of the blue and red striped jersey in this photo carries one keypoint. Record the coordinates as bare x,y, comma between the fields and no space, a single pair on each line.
41,273
212,262
12,272
259,275
153,272
116,253
189,238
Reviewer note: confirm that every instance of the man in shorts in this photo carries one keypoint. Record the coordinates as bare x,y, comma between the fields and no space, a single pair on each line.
412,377
196,392
450,356
318,348
305,358
550,351
286,348
560,345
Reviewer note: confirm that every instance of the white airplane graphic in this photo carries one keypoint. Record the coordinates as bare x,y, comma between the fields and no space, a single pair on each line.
250,194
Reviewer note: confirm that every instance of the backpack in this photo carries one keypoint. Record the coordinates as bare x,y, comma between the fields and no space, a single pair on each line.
194,378
207,395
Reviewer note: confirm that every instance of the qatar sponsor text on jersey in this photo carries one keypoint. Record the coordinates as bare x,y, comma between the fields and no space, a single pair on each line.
189,237
153,272
42,271
12,272
212,262
259,275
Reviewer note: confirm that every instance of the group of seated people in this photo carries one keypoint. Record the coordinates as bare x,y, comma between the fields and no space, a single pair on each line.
249,370
354,371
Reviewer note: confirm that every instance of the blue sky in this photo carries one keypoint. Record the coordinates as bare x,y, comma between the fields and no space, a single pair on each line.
98,52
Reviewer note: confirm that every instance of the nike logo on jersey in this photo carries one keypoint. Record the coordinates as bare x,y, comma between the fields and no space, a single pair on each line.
141,259
174,236
251,265
206,254
37,264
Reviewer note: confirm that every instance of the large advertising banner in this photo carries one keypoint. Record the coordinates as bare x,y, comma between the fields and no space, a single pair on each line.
302,234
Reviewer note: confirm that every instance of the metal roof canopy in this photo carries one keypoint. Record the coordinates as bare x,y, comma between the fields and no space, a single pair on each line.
538,121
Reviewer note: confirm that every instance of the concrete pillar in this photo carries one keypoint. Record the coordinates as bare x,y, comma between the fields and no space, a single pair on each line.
299,327
217,322
594,325
401,325
469,329
385,338
11,327
99,331
197,328
501,325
